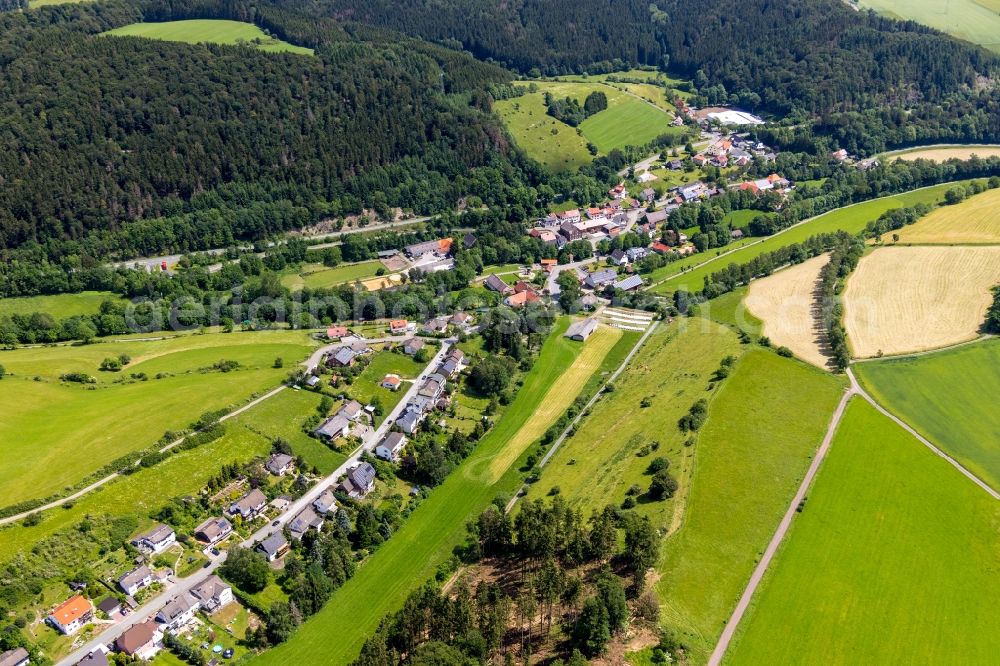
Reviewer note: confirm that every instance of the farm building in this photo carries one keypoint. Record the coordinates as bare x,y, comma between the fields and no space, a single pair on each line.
598,279
581,330
629,284
440,248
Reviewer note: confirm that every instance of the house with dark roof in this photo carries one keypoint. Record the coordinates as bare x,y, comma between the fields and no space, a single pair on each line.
273,547
494,283
391,447
335,427
630,283
213,593
213,530
435,326
618,257
600,278
98,657
135,580
306,520
178,612
110,606
468,240
359,480
342,357
250,505
279,463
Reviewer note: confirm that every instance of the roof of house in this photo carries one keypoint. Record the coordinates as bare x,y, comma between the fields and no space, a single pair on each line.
362,475
333,426
392,380
351,410
336,331
178,606
307,519
14,657
277,461
210,588
461,317
495,283
213,527
601,276
630,282
618,254
394,440
251,501
325,501
136,637
522,298
157,534
272,544
135,576
343,355
109,604
414,344
96,658
398,323
72,609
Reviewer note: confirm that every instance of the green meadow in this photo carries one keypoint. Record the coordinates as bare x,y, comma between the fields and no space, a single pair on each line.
59,306
762,431
690,272
976,21
56,433
209,31
949,397
436,526
318,276
892,561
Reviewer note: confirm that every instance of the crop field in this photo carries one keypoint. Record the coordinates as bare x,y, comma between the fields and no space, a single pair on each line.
690,272
976,21
892,561
598,464
949,397
628,120
974,221
58,305
762,431
785,302
942,153
210,31
94,424
318,276
430,533
907,299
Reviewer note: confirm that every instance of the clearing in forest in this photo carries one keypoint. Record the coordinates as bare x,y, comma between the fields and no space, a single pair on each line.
209,31
976,21
942,153
975,221
906,299
891,561
786,302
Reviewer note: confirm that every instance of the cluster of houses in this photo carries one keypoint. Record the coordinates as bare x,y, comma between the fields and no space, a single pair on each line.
517,296
340,424
431,394
734,150
843,157
595,223
348,352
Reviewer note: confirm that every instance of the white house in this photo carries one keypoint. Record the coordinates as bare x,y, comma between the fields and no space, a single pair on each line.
156,540
72,614
391,447
135,580
250,505
178,612
213,594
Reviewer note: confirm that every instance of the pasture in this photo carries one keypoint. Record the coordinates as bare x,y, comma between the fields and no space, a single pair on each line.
907,299
56,433
976,21
59,306
318,276
949,397
892,561
942,153
434,528
786,303
729,309
690,272
209,31
610,450
552,143
974,221
762,431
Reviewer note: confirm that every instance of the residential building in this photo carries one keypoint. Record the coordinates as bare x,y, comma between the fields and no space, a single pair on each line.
548,264
98,657
440,248
648,194
213,530
436,326
326,503
250,505
359,480
342,357
273,547
400,326
336,332
581,330
618,257
391,382
72,614
462,319
279,463
599,279
469,240
306,520
178,612
213,593
521,299
391,447
351,410
156,540
630,283
569,215
334,427
494,283
412,346
135,580
110,606
637,253
410,420
16,657
142,641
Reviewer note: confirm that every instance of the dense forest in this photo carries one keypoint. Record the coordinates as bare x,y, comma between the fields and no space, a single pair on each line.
99,132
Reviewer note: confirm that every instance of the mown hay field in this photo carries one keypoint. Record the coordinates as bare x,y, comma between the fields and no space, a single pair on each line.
942,153
975,221
892,561
907,299
785,302
976,21
212,31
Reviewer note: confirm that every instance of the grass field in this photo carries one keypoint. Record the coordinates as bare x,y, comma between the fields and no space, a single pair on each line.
57,433
893,561
907,299
949,397
318,276
729,309
762,431
211,31
785,302
628,120
974,221
431,532
688,273
58,305
976,21
942,153
599,462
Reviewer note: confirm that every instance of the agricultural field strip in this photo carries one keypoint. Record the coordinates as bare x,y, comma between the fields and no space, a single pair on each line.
298,505
772,547
855,389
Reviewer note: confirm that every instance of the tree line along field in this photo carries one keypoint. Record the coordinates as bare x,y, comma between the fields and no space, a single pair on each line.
974,221
57,432
892,560
976,21
628,120
907,299
434,528
212,31
690,272
949,397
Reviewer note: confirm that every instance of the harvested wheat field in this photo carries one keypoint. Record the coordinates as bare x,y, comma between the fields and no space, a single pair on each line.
974,221
942,153
784,302
907,299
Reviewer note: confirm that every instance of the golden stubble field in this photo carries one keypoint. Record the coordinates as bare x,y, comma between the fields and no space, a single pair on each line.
942,153
974,221
908,299
785,303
